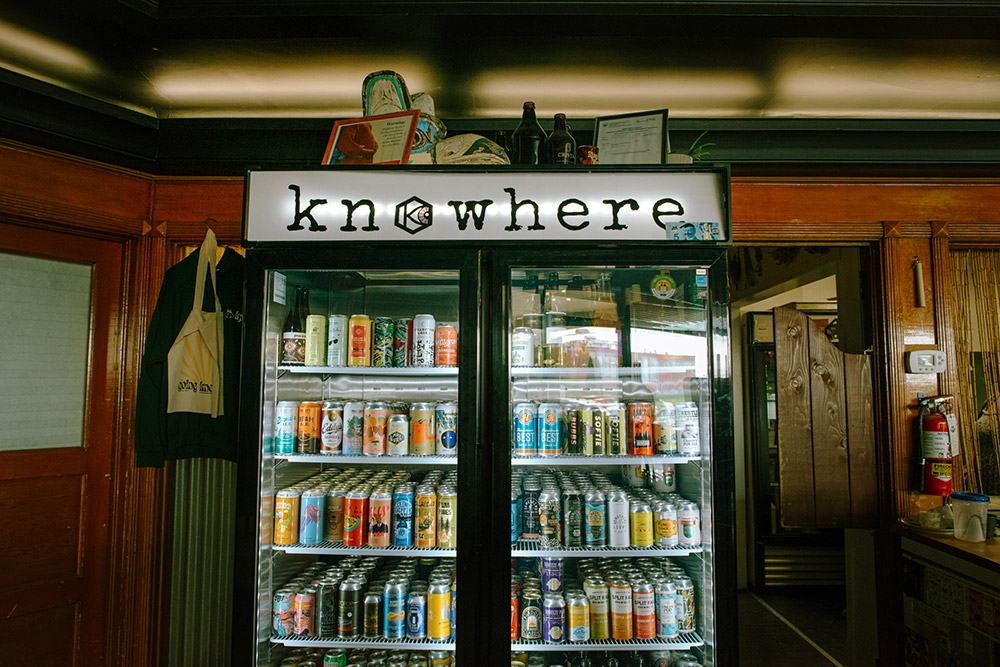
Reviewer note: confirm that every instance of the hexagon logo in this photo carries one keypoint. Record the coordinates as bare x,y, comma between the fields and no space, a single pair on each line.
414,215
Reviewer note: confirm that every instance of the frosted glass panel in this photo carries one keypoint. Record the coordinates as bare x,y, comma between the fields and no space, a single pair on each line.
44,326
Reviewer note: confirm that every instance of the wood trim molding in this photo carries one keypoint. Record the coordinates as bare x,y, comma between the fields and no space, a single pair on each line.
943,321
892,268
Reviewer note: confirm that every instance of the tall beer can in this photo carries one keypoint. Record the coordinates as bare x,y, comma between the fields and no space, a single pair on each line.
522,348
643,610
549,429
447,514
402,337
578,617
531,616
446,345
383,342
617,425
335,514
360,341
286,417
402,516
598,422
585,430
416,614
355,518
379,519
423,429
307,429
689,524
596,535
666,525
685,604
620,592
554,618
354,428
553,575
286,516
312,517
331,431
446,425
373,615
394,595
439,610
525,429
570,417
425,517
618,520
304,611
549,519
600,623
529,510
398,435
315,340
282,615
337,340
665,429
423,341
349,618
376,424
666,617
640,429
640,524
572,517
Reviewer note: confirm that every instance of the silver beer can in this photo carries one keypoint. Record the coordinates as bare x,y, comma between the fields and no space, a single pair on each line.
336,341
398,435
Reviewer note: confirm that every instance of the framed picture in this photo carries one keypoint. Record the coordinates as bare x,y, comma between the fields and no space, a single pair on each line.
384,139
632,138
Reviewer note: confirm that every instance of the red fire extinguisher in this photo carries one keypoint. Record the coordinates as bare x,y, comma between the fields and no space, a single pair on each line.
936,445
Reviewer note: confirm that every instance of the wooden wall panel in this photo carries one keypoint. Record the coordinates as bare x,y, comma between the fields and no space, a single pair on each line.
27,639
829,430
861,436
187,206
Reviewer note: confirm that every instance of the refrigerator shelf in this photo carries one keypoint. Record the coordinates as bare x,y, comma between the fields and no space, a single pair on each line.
528,548
681,642
340,459
442,371
604,459
595,372
363,642
338,549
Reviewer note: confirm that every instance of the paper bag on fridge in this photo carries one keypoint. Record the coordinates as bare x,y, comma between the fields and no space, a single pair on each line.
194,362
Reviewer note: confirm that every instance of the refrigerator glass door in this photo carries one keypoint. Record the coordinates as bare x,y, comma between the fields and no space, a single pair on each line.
610,445
358,485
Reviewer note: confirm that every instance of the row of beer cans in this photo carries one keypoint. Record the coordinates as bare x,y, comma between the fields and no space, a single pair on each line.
586,510
363,657
373,508
370,598
380,342
600,599
658,658
637,428
371,428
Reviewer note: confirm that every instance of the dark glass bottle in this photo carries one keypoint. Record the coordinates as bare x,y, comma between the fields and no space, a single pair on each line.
560,146
293,333
575,283
503,141
527,139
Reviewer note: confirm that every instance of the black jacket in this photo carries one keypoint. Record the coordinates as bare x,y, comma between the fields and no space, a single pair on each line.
178,435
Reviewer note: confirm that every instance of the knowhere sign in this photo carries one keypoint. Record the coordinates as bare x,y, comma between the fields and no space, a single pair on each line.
401,206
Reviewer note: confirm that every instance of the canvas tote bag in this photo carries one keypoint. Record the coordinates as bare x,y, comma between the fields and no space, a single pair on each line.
194,362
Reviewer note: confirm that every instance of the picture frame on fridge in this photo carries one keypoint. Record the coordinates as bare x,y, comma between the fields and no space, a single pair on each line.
384,139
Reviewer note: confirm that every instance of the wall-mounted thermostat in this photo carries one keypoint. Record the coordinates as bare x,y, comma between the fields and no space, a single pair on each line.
925,361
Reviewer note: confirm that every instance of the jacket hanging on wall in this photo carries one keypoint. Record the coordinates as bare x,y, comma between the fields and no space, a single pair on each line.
187,402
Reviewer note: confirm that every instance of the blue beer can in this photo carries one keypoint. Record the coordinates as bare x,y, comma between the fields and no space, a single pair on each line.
312,517
446,426
554,619
515,516
416,615
454,597
549,429
525,429
394,595
402,516
552,575
285,422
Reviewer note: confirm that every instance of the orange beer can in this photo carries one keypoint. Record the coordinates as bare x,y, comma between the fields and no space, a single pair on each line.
307,439
640,429
446,345
359,352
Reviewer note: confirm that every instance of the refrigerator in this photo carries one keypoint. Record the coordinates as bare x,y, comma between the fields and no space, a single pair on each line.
567,462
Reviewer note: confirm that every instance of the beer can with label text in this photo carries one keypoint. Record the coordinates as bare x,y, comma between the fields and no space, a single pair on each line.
525,429
643,610
685,604
446,345
666,616
617,426
286,517
640,429
286,418
447,515
640,524
553,575
425,517
515,616
665,429
618,520
598,423
331,431
354,428
571,427
416,614
312,517
315,340
531,616
327,603
689,524
553,618
373,615
585,430
439,610
282,615
572,518
379,519
337,340
549,429
424,329
304,613
577,617
355,518
376,425
402,337
549,519
335,514
307,438
446,426
620,593
666,525
423,429
402,516
398,435
600,615
689,442
522,348
383,342
529,510
394,605
349,618
360,341
595,535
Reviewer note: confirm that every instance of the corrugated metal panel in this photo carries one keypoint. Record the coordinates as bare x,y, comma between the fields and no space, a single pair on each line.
201,587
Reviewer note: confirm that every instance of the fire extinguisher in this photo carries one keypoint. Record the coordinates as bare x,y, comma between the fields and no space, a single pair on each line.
937,426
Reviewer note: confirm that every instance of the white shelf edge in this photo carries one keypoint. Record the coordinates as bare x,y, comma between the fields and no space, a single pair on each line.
533,552
440,371
353,459
686,640
337,549
603,459
595,372
362,642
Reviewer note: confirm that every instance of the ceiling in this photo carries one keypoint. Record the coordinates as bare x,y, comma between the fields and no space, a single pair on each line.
710,62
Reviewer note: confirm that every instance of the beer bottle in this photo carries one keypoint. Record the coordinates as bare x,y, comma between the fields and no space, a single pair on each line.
560,146
293,334
527,138
501,140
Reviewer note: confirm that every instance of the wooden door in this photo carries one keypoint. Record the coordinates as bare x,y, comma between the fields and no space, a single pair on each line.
54,501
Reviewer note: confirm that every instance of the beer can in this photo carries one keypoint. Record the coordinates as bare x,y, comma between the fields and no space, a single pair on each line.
446,426
515,516
571,428
640,524
373,615
686,416
689,524
620,593
525,429
529,510
666,525
585,430
572,518
597,593
554,618
689,442
577,617
424,329
335,657
454,604
618,520
376,424
379,519
553,575
531,616
360,342
439,610
315,340
549,519
438,659
447,515
522,348
617,425
548,429
598,423
304,613
282,614
596,535
398,435
337,341
312,517
640,429
425,517
307,438
666,616
395,606
331,431
402,336
665,429
423,429
349,617
446,345
286,418
515,616
643,610
402,516
355,518
416,614
664,477
383,342
354,428
685,604
286,517
327,605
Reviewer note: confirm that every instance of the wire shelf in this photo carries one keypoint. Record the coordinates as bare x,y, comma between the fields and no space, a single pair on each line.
683,641
337,548
528,548
352,459
364,642
602,460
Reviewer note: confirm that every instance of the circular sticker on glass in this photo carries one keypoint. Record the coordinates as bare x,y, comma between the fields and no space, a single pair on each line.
663,286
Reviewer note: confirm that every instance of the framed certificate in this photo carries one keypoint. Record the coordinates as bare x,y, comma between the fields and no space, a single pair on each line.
384,139
633,138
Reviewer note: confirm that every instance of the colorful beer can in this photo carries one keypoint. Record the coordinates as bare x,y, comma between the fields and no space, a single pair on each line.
454,604
355,518
402,516
416,614
689,524
376,425
666,525
283,617
446,425
515,616
572,427
359,351
685,604
286,517
446,345
349,619
522,348
531,616
394,602
595,509
335,657
620,593
424,329
553,575
379,519
549,429
286,417
304,612
529,510
554,618
666,615
549,519
447,515
525,429
315,340
425,517
640,524
402,335
307,437
640,429
337,341
354,428
383,342
665,430
643,610
398,435
312,517
577,617
331,431
439,610
597,593
423,429
585,430
598,423
572,518
615,419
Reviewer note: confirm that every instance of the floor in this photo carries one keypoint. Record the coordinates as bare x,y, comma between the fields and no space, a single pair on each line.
800,627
